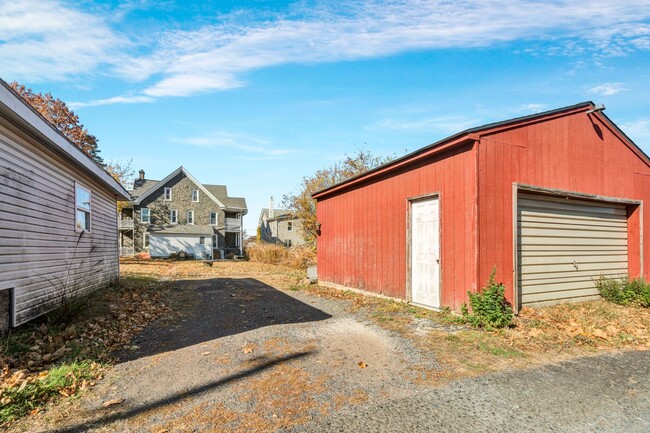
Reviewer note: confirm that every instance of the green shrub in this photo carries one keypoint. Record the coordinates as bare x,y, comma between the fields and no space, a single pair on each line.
625,291
489,307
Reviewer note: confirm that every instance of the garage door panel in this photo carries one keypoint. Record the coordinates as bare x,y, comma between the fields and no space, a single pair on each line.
565,245
569,242
564,268
571,207
556,297
570,258
573,233
558,277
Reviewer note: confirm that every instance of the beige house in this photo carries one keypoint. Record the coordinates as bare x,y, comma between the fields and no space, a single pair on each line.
58,213
279,226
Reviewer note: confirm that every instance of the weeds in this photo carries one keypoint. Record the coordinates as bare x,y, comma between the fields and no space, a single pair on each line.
489,307
299,257
634,292
19,397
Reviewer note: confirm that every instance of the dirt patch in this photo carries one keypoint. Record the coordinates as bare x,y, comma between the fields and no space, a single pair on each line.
253,349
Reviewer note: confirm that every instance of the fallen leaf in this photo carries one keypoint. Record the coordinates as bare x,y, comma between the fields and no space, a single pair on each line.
600,334
114,402
205,353
362,364
535,332
247,349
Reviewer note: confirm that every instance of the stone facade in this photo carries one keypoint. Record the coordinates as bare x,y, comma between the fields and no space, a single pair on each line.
182,188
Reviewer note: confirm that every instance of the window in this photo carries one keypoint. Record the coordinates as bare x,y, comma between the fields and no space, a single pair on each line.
195,195
202,240
144,215
168,194
82,205
190,217
289,226
213,218
287,243
173,216
214,241
145,240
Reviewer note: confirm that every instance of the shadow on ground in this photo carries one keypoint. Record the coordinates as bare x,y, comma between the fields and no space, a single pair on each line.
219,307
126,414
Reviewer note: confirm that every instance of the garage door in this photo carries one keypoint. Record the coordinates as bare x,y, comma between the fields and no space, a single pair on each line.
563,245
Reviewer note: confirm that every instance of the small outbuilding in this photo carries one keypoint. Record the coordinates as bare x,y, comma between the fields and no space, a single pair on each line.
58,216
550,201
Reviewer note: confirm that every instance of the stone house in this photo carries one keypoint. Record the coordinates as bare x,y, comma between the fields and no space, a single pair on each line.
280,226
180,214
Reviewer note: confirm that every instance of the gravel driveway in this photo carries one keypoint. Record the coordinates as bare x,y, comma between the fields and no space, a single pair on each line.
245,356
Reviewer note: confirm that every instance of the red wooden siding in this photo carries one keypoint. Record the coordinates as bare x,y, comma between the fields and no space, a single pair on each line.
365,222
565,153
363,243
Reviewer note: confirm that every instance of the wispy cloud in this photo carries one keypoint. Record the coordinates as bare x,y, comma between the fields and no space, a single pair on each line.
444,124
219,56
242,142
48,40
532,108
639,131
137,99
608,89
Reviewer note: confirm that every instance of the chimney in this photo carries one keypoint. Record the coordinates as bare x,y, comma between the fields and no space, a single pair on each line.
271,207
141,172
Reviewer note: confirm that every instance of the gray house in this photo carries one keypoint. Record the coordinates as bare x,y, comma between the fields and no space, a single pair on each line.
58,216
180,214
280,226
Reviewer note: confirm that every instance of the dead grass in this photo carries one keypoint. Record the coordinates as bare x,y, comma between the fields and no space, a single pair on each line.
540,336
277,276
78,350
299,257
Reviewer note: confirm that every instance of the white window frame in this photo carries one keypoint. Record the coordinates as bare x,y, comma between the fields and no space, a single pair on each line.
215,241
168,191
148,221
173,216
197,195
190,212
289,226
145,236
79,185
210,218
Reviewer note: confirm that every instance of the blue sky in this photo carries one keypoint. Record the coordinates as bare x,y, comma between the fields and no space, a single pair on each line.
257,94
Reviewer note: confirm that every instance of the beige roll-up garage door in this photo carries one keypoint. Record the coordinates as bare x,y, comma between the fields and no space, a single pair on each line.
564,244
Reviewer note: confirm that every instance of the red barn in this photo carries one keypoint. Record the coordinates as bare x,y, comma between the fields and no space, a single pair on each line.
551,201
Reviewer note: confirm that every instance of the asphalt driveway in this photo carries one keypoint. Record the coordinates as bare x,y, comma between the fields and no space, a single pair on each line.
245,356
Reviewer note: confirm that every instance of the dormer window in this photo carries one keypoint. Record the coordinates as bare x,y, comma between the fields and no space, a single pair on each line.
168,194
195,195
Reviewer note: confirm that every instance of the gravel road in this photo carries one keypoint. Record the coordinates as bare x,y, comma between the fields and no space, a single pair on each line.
608,393
245,356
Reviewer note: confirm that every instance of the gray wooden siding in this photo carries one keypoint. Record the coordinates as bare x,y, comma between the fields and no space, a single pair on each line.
39,247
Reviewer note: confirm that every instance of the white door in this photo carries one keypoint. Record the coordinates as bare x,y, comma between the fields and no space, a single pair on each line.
425,253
